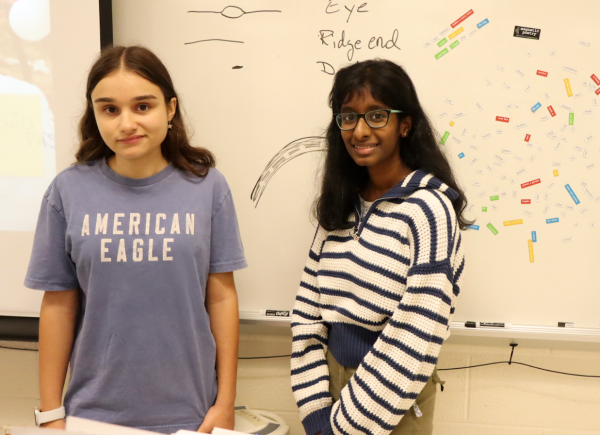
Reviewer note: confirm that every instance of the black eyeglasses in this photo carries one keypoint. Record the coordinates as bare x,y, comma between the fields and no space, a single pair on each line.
375,118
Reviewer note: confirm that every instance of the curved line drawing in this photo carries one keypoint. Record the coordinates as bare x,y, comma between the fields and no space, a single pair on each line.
310,144
207,40
235,12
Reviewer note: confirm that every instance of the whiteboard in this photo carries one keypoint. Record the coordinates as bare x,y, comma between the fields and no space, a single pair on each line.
256,88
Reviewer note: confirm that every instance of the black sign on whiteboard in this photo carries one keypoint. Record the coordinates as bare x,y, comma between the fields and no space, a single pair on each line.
527,32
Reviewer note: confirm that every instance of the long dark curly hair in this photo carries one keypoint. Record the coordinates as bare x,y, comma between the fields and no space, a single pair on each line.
342,178
176,147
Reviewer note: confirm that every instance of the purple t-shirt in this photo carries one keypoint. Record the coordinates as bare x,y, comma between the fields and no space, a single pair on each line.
140,250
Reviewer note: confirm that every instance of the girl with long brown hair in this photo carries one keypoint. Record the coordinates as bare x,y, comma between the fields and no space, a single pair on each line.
135,249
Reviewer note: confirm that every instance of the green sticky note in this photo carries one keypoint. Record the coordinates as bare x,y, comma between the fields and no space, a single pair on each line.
483,208
454,44
494,198
445,137
442,42
571,118
492,229
441,53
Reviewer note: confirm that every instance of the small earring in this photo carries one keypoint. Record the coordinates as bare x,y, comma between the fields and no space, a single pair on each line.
169,126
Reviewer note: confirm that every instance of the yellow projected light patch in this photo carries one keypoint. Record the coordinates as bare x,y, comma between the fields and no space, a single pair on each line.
21,145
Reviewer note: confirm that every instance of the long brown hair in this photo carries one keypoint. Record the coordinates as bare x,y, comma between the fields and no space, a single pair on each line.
176,147
342,178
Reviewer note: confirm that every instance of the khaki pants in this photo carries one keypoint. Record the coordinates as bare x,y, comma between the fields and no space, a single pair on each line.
339,376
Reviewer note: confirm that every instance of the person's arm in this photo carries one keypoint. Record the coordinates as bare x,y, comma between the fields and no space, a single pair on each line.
222,307
58,316
395,370
310,374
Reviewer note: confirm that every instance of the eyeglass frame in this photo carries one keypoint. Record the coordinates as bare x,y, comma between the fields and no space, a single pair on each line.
363,115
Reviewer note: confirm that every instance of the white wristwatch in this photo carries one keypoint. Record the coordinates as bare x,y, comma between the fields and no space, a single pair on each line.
45,417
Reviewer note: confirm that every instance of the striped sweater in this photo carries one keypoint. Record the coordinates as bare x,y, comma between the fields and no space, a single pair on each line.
379,297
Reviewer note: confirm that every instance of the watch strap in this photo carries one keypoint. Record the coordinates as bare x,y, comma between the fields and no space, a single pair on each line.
45,417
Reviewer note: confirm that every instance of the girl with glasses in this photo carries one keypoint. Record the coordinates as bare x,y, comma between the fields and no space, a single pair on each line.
385,267
135,248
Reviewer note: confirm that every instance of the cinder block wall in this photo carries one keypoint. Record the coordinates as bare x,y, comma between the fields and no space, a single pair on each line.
492,400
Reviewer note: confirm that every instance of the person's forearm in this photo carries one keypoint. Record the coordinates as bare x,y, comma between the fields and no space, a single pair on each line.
58,316
224,323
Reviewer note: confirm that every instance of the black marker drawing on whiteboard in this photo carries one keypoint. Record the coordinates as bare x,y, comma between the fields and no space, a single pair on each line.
305,145
327,68
208,40
232,12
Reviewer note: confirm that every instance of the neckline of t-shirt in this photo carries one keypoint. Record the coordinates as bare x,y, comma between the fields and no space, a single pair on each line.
135,182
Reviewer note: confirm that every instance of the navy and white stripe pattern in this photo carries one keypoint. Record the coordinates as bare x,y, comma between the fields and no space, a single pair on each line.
382,303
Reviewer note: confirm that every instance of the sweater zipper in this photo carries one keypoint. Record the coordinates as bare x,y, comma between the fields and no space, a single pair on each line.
357,230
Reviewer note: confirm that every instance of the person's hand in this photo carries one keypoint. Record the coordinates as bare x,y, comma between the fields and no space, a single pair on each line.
218,416
56,424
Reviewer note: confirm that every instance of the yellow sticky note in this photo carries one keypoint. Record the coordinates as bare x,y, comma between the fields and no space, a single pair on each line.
568,87
515,222
21,146
456,32
556,172
451,123
530,243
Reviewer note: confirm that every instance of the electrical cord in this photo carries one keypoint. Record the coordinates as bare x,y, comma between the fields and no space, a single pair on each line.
439,370
19,348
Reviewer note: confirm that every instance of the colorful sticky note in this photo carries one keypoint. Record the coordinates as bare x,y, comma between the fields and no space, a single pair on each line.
568,88
551,221
555,172
536,107
461,155
513,222
534,236
484,209
441,53
492,229
572,193
483,23
572,118
454,44
530,244
473,227
445,137
494,198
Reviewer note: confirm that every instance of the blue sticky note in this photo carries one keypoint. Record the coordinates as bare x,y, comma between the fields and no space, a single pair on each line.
473,227
572,194
551,221
533,236
461,155
483,23
536,107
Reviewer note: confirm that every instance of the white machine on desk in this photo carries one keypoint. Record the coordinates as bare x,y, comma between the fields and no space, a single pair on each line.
247,421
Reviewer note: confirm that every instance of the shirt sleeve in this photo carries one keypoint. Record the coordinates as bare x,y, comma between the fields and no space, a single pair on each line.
310,374
395,370
50,267
226,249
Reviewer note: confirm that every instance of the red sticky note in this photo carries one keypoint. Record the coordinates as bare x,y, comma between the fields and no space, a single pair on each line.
598,91
595,79
527,137
526,201
461,19
551,110
542,73
502,119
530,183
